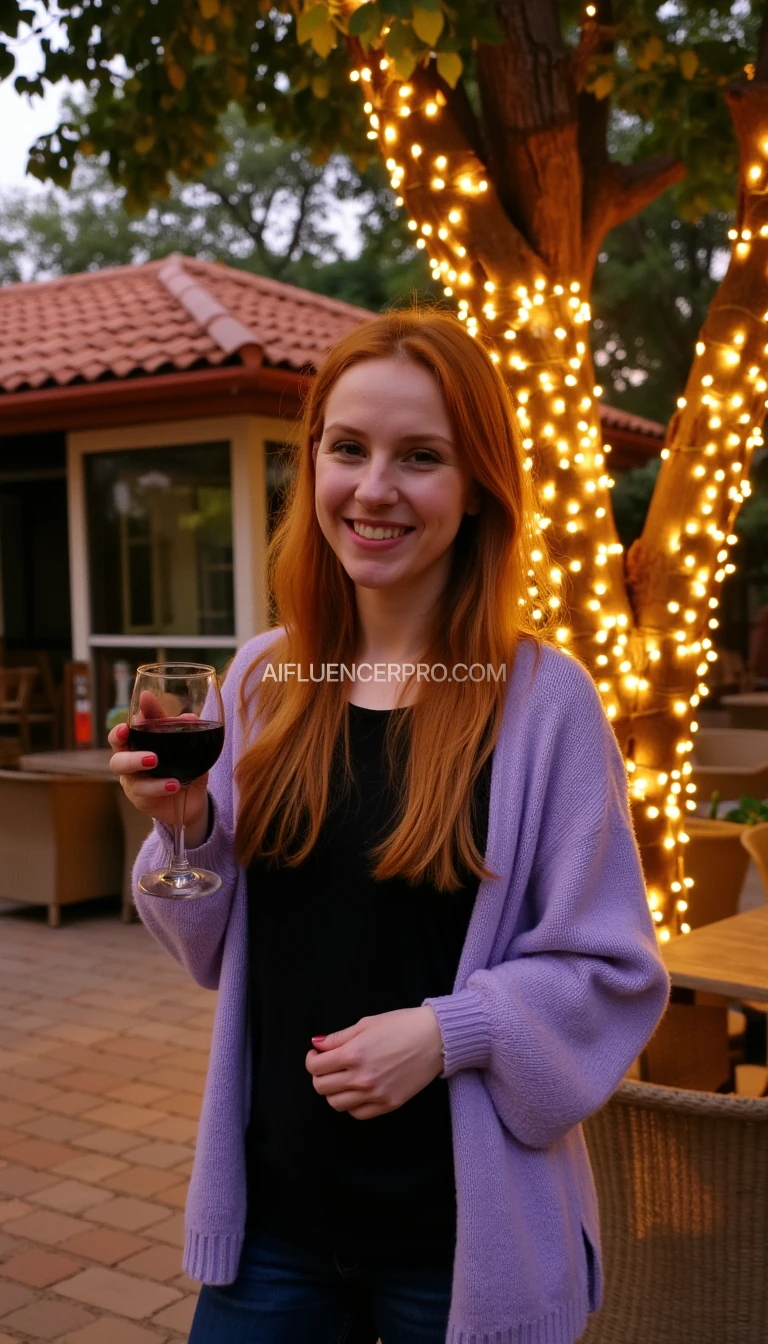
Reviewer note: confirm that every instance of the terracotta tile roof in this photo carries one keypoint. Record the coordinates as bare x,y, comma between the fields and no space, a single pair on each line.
612,418
160,317
174,315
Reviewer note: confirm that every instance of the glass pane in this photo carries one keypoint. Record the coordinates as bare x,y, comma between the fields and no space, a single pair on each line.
160,539
113,667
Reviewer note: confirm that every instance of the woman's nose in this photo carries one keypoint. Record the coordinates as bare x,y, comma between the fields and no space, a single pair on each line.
376,484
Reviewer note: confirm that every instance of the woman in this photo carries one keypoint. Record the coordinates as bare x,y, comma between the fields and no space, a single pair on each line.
431,943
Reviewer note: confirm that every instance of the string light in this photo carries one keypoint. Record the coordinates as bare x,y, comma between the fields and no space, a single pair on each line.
536,329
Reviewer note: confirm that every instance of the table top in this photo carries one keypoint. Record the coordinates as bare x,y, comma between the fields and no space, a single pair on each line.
728,958
750,699
87,761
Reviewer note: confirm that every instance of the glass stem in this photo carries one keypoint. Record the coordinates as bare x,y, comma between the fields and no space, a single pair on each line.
180,862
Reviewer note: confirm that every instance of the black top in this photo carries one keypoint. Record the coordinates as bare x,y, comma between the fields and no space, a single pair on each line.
328,945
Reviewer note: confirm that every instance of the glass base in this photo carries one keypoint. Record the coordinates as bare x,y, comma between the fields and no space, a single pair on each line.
179,886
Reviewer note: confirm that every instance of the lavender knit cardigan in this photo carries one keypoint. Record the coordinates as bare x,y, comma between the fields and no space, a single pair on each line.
558,989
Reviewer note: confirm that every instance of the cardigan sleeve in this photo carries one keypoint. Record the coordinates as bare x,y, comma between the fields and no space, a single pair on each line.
554,1027
193,930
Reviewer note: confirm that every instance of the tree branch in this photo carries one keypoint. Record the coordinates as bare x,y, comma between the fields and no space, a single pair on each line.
243,216
619,191
304,199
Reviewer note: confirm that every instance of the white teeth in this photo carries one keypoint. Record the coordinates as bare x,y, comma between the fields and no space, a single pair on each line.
378,533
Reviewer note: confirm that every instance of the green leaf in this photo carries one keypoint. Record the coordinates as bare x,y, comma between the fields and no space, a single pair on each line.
310,20
7,62
603,85
364,19
449,67
405,64
689,64
426,25
399,39
324,39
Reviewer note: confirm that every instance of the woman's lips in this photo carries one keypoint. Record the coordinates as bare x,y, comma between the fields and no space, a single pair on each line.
377,544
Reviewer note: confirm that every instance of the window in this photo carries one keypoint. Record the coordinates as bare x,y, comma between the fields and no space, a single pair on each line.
160,541
279,477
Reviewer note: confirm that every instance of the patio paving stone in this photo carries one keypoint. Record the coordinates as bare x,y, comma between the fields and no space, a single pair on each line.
47,1319
38,1269
98,1120
120,1293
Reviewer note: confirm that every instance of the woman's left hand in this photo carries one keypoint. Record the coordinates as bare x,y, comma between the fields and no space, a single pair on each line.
379,1063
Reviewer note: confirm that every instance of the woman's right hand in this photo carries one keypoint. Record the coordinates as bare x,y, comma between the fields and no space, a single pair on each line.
157,797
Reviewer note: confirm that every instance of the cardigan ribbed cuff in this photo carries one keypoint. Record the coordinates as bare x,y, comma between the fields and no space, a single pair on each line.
212,1257
209,854
465,1030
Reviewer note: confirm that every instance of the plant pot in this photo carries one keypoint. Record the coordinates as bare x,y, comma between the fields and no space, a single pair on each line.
717,861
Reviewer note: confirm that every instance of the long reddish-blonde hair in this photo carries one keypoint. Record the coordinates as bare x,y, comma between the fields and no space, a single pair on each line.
285,774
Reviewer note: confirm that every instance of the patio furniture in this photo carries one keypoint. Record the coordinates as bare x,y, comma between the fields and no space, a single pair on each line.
15,693
681,1180
710,967
20,708
733,761
136,828
749,710
729,958
60,839
717,862
93,762
755,841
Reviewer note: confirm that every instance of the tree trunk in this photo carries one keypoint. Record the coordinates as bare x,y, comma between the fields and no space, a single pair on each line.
534,318
675,569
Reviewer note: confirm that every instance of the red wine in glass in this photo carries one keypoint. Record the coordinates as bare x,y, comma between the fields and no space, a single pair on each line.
176,713
185,748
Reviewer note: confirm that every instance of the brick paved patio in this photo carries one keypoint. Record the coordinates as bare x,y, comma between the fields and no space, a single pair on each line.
103,1049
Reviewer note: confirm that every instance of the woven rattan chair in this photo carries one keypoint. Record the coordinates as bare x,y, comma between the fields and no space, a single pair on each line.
682,1181
755,841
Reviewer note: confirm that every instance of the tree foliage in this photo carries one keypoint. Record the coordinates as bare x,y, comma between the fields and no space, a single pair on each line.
265,207
654,282
161,75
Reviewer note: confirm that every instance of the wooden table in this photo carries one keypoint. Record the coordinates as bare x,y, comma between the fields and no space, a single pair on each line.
88,761
749,710
729,958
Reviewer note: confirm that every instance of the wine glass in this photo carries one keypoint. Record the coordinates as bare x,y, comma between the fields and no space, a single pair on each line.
176,713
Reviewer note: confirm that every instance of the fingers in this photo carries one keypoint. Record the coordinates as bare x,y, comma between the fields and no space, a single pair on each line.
336,1060
151,707
118,737
334,1083
132,762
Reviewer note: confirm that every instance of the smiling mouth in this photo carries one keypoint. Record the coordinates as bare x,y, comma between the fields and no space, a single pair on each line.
378,531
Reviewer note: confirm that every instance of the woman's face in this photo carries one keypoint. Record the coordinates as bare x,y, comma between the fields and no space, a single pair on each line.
390,486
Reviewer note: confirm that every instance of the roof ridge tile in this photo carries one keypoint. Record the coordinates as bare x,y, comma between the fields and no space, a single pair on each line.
229,333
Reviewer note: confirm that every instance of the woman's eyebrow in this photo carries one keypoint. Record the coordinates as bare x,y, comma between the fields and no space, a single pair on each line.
404,438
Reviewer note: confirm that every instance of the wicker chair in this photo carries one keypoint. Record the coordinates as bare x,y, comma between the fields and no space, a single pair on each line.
682,1181
755,841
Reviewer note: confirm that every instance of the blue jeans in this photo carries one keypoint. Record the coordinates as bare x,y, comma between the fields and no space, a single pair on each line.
285,1295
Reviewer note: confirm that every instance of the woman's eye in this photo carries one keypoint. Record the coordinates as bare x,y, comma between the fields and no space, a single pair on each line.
347,447
424,457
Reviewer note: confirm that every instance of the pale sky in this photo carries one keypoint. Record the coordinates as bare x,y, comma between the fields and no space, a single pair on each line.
22,120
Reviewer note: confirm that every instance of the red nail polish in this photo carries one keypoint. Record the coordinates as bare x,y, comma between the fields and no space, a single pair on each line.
315,1039
149,760
171,786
